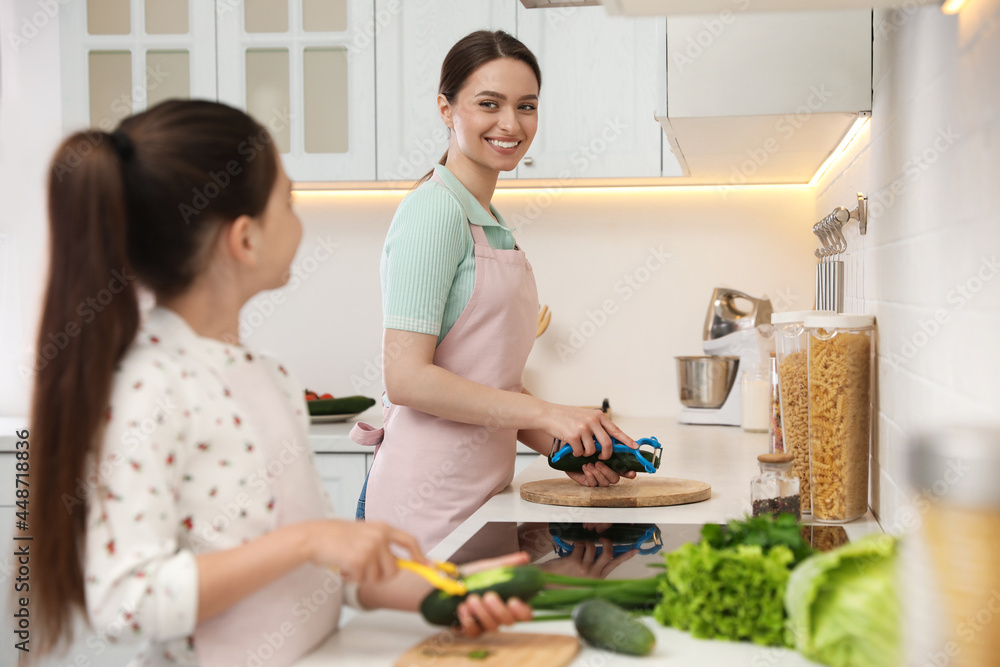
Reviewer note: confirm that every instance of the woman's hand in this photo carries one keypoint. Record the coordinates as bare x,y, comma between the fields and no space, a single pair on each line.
598,474
359,549
584,561
579,427
483,614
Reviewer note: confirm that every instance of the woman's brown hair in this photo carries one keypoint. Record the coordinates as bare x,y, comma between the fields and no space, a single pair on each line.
469,54
139,205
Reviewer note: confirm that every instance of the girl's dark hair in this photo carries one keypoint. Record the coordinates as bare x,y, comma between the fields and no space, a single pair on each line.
470,53
140,204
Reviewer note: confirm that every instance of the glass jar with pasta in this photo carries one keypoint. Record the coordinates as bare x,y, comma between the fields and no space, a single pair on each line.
840,352
793,390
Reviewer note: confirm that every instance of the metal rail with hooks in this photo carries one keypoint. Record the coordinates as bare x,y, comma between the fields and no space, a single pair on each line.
830,270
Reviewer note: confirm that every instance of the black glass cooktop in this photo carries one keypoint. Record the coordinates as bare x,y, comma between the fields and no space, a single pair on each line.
602,550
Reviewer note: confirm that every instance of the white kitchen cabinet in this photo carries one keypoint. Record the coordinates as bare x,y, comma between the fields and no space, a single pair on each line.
304,69
410,46
7,480
677,7
603,82
522,461
120,57
343,477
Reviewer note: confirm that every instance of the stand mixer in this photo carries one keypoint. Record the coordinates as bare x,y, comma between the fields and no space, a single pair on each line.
729,337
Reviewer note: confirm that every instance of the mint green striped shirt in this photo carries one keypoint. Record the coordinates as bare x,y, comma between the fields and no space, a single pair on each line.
428,263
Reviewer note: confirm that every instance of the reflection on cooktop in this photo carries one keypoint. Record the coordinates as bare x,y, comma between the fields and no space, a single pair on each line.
602,550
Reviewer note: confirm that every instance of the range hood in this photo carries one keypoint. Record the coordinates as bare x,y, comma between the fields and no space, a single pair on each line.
676,7
764,98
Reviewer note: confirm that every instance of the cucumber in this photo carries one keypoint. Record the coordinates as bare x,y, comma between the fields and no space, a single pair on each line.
348,405
607,626
620,462
520,581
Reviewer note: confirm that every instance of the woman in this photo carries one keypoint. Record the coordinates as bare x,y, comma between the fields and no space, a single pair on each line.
180,504
460,314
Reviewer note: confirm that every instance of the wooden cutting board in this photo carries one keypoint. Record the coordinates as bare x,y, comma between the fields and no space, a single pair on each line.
504,649
641,492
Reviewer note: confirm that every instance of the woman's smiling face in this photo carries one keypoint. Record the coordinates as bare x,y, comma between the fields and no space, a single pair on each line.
495,115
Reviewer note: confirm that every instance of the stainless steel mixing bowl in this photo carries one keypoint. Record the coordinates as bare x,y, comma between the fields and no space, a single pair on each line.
705,382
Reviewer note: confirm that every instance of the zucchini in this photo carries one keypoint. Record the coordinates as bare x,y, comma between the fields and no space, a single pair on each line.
520,581
607,626
618,533
348,405
618,461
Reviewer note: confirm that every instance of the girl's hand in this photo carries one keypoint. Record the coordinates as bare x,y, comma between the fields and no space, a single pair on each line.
359,549
483,614
579,427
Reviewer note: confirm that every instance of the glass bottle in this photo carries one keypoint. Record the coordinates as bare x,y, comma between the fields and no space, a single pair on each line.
777,443
776,489
755,387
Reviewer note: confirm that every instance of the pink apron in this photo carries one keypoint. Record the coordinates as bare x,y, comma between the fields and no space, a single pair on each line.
281,622
429,473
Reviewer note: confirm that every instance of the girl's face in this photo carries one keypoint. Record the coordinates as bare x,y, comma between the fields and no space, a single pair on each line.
280,233
495,114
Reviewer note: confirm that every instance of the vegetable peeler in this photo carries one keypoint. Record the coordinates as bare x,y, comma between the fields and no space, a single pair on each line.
623,458
442,575
644,538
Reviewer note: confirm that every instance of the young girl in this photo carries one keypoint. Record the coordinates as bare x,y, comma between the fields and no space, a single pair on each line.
460,315
173,475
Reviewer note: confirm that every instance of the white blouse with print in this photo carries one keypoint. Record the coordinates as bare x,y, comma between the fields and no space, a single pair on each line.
205,449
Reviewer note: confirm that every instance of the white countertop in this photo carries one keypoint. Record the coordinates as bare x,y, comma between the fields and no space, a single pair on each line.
725,457
324,438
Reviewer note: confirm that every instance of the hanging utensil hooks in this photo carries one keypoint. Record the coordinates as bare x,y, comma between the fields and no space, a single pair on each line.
829,229
829,269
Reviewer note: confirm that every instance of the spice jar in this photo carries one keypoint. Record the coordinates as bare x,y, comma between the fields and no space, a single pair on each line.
776,489
755,399
776,444
954,587
841,351
793,388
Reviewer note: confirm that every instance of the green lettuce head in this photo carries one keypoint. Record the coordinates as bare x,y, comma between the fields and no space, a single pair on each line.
843,606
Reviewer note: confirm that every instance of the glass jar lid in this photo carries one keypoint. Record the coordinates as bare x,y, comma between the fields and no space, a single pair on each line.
791,316
776,461
838,321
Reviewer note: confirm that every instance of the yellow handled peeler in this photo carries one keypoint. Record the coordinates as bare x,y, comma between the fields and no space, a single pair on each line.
442,575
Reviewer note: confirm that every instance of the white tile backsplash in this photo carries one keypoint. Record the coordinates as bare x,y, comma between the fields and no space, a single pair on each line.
929,163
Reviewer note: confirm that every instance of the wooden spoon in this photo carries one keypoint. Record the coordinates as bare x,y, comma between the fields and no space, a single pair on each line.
544,316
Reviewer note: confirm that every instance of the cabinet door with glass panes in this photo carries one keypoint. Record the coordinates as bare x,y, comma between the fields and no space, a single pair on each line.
304,69
120,57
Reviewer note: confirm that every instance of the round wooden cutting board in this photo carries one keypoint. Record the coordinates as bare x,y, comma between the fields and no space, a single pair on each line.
492,649
641,492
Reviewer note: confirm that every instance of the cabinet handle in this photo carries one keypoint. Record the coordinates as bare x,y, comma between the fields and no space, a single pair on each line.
527,162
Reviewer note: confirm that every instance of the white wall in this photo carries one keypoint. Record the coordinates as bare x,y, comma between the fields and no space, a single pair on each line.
930,163
584,245
30,131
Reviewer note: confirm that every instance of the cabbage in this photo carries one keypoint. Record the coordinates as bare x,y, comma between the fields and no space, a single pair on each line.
843,606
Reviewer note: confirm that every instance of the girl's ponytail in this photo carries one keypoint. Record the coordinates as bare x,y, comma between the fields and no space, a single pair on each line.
90,316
